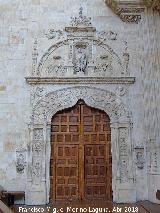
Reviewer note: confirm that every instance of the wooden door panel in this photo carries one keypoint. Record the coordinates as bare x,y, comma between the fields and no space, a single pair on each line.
95,171
66,172
81,161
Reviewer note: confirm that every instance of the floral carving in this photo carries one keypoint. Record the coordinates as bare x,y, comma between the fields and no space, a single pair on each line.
51,34
107,35
123,155
43,109
36,94
121,90
81,20
38,145
38,134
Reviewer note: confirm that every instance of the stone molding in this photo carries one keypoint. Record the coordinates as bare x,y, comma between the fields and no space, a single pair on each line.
80,80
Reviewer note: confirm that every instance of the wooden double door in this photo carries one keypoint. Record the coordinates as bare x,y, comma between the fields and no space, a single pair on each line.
81,161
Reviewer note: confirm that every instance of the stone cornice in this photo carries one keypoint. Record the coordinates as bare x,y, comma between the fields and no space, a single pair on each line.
80,80
130,11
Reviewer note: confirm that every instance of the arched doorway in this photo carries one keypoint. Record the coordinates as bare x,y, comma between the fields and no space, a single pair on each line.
81,161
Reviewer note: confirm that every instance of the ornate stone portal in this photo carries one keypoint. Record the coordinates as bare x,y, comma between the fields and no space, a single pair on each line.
90,65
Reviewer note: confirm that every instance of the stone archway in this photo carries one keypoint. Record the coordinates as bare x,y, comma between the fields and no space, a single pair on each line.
38,184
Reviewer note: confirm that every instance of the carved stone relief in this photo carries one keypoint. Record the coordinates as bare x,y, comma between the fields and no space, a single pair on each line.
80,58
153,157
123,154
51,34
103,35
51,102
43,108
87,53
140,161
81,20
37,150
82,55
121,90
21,160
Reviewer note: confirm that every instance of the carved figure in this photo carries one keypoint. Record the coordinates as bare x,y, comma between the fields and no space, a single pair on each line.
20,164
80,62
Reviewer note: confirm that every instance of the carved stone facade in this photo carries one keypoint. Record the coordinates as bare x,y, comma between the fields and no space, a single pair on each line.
50,59
88,59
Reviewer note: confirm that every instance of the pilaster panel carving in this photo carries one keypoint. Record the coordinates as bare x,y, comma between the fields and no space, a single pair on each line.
123,154
153,151
140,159
21,160
38,148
